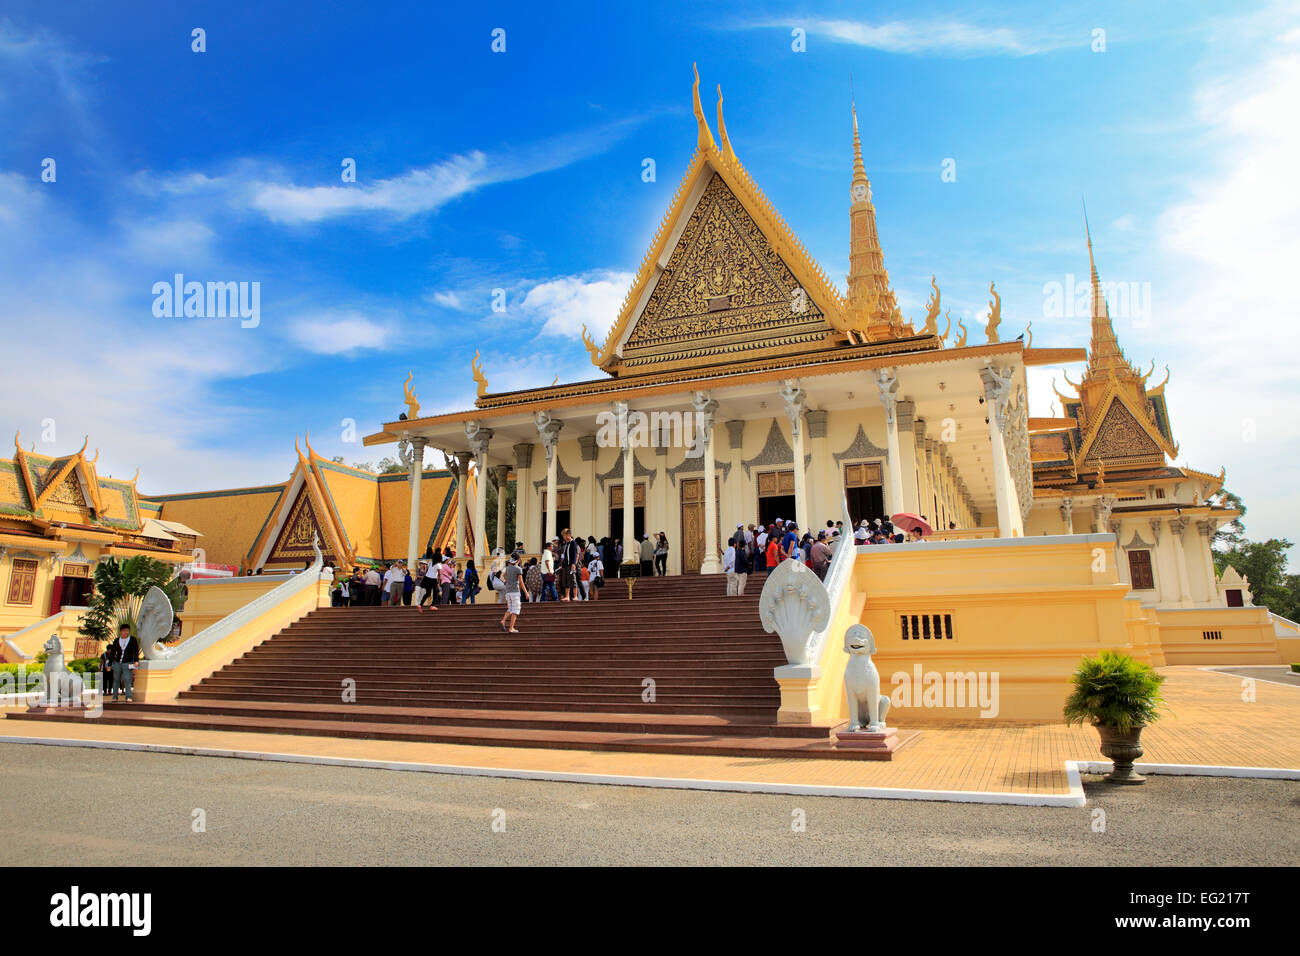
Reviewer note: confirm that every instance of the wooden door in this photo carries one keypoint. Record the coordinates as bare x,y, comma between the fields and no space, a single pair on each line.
691,540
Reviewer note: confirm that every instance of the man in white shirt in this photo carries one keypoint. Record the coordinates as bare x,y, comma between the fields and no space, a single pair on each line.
729,566
372,582
394,581
861,535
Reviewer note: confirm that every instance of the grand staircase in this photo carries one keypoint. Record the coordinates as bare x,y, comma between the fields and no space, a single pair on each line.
677,668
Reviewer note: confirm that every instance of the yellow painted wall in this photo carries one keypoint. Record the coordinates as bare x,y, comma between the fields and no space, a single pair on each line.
1247,636
228,521
212,599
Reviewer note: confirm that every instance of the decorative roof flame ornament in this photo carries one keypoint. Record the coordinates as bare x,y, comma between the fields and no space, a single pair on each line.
728,153
1029,335
84,445
412,400
961,342
1073,385
932,310
995,316
948,327
705,141
296,448
1159,388
1148,374
476,366
593,350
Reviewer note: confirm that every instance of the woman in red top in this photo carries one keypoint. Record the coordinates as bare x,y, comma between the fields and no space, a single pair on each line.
773,552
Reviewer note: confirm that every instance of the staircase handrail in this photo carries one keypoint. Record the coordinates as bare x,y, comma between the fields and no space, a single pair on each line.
838,576
801,607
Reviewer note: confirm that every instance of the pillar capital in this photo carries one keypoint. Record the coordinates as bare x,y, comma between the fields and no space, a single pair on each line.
548,429
501,473
816,421
523,455
735,433
1157,525
478,438
1178,526
587,444
796,401
906,415
918,430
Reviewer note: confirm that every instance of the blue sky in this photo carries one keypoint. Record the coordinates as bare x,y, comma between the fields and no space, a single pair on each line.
522,171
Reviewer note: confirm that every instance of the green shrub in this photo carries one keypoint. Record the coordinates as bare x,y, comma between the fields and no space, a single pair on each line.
1115,690
1295,668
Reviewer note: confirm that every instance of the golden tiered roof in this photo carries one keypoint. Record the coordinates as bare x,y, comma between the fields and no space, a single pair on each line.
1120,426
725,278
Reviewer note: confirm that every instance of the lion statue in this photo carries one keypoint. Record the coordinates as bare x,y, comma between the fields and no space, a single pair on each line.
862,682
62,686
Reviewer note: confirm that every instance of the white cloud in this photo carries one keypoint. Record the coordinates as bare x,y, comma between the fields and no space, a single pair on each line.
342,332
417,191
448,300
566,303
937,37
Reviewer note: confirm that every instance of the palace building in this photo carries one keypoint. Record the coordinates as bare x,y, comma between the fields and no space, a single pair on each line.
59,518
735,385
806,397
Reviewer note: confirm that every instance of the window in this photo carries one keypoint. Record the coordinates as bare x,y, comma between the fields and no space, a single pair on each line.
22,581
1212,635
1139,571
925,627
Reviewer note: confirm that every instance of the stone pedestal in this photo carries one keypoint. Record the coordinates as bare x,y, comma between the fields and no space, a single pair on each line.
883,742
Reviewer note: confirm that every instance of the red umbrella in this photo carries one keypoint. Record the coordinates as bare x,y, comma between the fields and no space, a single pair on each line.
910,522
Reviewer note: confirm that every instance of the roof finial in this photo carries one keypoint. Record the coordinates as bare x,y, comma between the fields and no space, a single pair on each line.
706,136
727,151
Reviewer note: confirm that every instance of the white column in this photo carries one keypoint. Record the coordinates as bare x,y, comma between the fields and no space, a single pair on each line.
997,393
525,523
549,430
887,382
1207,527
1121,558
923,472
906,415
502,473
479,438
412,455
462,503
733,488
705,409
1178,526
823,499
796,402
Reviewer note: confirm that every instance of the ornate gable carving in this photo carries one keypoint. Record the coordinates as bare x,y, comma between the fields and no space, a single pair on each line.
300,529
68,492
1121,435
724,288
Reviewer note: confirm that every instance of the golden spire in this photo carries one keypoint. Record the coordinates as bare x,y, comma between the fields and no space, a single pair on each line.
1104,354
872,308
706,136
727,152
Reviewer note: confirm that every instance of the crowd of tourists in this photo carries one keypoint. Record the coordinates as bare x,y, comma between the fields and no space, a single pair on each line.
573,568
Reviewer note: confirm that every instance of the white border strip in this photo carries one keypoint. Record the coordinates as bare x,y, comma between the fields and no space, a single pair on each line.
1074,798
1225,670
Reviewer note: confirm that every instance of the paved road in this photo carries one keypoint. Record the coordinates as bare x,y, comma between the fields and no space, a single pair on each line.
52,798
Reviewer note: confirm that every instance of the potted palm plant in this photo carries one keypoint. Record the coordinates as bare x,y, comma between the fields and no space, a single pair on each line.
1119,696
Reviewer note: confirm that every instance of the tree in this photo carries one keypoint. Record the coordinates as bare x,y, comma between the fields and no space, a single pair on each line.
119,589
390,466
1232,534
491,522
1263,565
